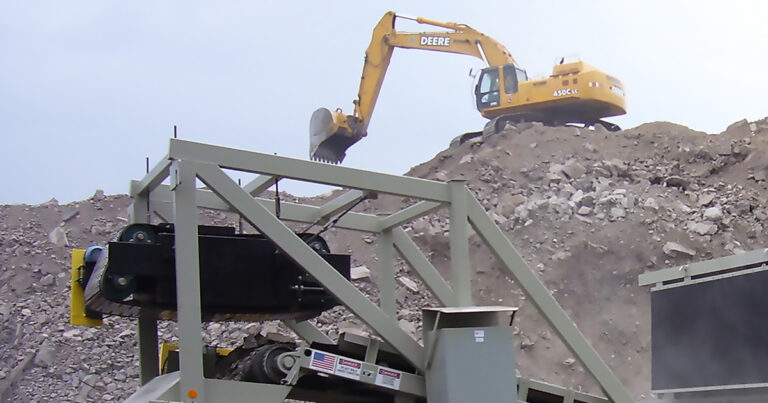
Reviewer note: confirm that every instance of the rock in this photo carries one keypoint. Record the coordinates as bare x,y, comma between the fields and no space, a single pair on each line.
741,208
408,283
761,214
584,210
736,125
677,181
683,207
466,159
713,214
675,249
706,198
569,362
69,214
87,385
356,273
45,356
628,202
72,333
58,237
618,212
47,280
509,202
703,228
526,342
513,200
617,166
556,169
574,170
587,200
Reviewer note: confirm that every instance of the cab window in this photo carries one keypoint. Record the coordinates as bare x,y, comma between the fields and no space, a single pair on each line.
510,79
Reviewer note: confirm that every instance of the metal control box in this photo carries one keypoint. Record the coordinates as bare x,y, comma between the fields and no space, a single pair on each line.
470,355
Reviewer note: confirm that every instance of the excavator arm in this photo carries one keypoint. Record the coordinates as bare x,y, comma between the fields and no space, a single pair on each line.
333,132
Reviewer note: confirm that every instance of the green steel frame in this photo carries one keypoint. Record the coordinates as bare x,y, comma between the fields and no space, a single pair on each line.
707,270
179,201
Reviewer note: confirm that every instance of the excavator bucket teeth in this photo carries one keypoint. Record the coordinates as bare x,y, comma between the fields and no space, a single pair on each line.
330,136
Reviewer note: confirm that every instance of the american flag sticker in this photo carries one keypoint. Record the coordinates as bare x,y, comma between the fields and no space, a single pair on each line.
323,362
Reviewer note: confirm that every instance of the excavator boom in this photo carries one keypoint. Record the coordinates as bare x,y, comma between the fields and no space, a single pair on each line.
332,132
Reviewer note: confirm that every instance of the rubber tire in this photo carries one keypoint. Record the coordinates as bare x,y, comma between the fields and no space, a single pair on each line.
263,365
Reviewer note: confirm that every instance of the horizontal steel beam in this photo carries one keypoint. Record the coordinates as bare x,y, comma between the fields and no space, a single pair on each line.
288,211
308,171
745,260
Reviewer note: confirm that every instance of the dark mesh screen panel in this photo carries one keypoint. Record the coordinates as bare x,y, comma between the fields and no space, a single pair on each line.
712,333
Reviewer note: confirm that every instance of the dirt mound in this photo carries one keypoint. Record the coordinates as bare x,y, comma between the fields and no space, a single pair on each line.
589,210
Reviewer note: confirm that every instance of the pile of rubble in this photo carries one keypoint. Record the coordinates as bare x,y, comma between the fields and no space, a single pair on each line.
589,210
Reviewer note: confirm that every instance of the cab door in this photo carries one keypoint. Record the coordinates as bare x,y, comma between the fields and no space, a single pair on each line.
487,89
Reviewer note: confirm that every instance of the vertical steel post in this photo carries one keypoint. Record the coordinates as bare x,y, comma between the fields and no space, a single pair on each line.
183,179
147,325
459,244
385,253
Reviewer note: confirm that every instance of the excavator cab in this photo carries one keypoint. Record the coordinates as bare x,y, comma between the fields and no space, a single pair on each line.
488,92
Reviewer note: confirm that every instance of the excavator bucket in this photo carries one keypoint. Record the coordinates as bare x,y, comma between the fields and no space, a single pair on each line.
330,135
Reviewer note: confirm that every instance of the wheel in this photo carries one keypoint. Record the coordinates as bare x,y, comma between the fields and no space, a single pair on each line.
316,242
263,367
139,233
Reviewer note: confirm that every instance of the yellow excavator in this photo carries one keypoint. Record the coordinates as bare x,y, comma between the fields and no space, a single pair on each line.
575,93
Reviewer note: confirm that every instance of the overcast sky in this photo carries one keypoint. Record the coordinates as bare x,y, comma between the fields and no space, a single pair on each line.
88,89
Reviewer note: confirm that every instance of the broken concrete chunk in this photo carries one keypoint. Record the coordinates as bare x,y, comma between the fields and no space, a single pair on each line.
58,237
713,214
706,198
618,212
703,228
574,170
683,207
356,273
408,283
69,214
45,356
675,249
47,280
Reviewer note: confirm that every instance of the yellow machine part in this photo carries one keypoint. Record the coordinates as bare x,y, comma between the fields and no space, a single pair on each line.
76,294
166,348
573,89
